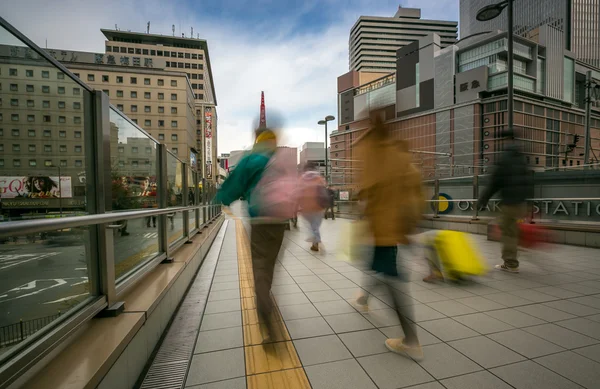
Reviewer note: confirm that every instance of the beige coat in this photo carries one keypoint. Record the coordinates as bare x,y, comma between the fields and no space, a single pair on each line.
390,187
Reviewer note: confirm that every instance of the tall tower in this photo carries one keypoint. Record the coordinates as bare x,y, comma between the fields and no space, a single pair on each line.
263,116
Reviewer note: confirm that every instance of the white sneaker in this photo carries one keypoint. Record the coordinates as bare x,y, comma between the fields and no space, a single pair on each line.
507,269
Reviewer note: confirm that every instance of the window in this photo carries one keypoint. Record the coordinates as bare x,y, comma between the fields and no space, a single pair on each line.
173,82
147,162
120,107
174,123
45,74
147,123
14,117
31,118
76,105
61,104
77,134
200,96
134,149
174,137
153,52
134,108
105,78
78,163
16,132
175,150
30,88
145,51
133,94
194,66
161,82
16,148
119,93
173,96
32,162
76,75
62,134
147,95
14,87
2,162
76,91
194,76
133,80
91,77
161,136
187,65
174,110
134,163
134,120
30,103
31,133
161,109
121,149
78,149
119,79
31,148
46,104
60,75
63,163
161,96
161,123
200,76
194,56
194,86
62,119
47,133
16,162
201,86
537,160
200,56
14,102
146,81
62,148
13,72
48,148
147,108
180,65
77,120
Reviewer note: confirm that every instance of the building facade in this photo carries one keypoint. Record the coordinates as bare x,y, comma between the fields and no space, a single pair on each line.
313,152
374,40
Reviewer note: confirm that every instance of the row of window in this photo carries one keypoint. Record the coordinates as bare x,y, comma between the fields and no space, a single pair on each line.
61,90
147,95
135,163
47,148
30,73
135,149
47,163
15,117
132,80
159,53
184,65
45,103
147,109
46,133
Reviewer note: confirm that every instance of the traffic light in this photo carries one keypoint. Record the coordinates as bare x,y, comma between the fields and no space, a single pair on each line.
575,138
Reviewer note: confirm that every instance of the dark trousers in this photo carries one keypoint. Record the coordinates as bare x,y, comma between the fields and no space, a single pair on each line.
265,242
327,212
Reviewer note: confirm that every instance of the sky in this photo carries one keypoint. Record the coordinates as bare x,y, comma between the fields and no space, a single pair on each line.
292,50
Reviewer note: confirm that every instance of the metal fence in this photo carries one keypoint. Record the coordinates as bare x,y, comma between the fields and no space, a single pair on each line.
18,332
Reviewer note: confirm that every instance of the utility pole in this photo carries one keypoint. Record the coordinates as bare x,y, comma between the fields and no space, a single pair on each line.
588,117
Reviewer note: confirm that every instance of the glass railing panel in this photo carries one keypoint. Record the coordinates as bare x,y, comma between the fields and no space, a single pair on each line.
175,230
135,244
174,181
192,190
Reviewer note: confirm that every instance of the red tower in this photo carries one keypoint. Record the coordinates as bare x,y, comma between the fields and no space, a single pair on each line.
263,116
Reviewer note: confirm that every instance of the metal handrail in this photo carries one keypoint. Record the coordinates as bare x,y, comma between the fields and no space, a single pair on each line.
530,199
26,227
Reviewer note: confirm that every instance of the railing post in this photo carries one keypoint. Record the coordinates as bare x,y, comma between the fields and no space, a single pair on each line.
436,204
204,197
185,197
476,197
162,197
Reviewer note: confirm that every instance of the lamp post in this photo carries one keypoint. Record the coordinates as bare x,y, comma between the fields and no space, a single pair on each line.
328,118
490,12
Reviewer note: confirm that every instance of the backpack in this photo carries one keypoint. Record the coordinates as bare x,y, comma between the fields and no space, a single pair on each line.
274,194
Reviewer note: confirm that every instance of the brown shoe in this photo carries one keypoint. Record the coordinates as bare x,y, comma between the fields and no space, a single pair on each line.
314,247
397,346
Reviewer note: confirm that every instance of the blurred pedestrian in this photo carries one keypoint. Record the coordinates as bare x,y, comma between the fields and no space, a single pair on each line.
390,188
511,179
265,181
331,204
313,199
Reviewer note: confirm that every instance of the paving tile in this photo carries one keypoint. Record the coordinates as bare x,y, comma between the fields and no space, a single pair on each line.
525,343
573,308
222,306
313,351
591,352
422,312
429,385
221,320
578,369
427,296
391,371
534,295
515,318
323,295
341,284
545,313
221,339
583,326
290,378
448,329
285,289
486,352
348,322
425,337
306,328
451,308
349,293
530,375
483,323
216,366
590,301
480,304
382,317
478,380
442,361
306,279
314,286
582,289
373,302
225,286
331,276
367,342
271,357
561,336
291,299
236,383
454,293
558,292
508,299
594,318
301,311
339,375
334,307
224,295
479,289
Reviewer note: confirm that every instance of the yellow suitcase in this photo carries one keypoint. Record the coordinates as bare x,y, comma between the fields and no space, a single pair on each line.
458,255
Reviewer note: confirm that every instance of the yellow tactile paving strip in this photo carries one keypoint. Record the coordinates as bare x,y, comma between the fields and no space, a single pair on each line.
274,365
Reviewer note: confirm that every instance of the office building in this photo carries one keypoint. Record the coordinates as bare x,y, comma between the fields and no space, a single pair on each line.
374,40
572,25
313,152
224,161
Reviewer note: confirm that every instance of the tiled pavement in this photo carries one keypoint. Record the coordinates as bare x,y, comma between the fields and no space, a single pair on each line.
537,329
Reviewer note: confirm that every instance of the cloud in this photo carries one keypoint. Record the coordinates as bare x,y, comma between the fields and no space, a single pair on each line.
293,51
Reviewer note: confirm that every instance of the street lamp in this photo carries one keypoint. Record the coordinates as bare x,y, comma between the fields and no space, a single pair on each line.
328,118
490,12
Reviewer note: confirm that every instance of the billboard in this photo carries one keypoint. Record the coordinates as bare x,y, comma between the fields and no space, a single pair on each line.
208,138
35,187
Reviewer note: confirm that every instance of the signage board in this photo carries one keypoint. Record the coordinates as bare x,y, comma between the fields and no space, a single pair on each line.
470,83
35,187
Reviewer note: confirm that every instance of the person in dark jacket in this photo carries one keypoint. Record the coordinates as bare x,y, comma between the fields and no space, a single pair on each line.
513,183
331,204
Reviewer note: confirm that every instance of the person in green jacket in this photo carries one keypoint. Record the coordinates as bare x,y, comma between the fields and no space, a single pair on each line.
266,236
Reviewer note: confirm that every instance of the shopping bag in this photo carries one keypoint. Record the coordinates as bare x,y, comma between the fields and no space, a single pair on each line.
458,255
353,240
